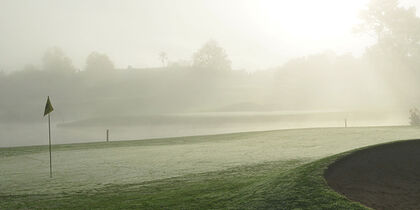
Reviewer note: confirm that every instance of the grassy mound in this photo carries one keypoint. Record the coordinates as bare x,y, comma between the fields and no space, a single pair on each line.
382,177
274,185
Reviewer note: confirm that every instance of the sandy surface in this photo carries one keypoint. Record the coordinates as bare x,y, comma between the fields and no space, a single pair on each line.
381,177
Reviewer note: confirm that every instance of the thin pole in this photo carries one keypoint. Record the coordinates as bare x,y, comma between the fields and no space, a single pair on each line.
107,135
49,140
345,122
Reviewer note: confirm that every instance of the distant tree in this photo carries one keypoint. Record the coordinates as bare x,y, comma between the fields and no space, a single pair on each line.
375,17
396,29
179,63
396,53
414,117
30,67
2,80
55,60
163,57
97,62
211,56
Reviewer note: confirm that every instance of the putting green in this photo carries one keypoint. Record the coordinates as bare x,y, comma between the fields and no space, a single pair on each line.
256,169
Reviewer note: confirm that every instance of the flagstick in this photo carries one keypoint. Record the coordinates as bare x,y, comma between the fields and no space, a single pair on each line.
49,139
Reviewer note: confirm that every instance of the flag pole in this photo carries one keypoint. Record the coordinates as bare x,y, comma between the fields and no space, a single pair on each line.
49,140
48,109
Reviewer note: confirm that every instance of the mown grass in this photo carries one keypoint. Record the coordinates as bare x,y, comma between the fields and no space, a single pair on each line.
293,184
24,150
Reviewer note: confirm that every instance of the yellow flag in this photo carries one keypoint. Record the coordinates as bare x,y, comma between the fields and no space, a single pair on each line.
48,107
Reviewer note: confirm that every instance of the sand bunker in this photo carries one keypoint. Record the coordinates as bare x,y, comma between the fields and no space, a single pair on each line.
381,177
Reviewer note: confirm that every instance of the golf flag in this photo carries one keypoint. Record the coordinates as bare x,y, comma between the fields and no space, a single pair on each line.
47,111
48,107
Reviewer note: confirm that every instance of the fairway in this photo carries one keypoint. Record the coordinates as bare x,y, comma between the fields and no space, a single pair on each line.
94,167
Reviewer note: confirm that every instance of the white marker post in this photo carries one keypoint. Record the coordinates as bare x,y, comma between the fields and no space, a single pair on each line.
107,135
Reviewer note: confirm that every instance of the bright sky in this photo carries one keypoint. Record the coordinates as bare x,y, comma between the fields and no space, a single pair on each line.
257,34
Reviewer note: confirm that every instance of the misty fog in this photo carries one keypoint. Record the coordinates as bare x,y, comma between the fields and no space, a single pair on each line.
152,69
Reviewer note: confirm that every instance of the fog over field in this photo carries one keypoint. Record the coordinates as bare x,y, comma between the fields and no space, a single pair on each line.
151,69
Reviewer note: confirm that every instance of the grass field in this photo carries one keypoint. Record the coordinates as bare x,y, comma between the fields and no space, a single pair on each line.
271,169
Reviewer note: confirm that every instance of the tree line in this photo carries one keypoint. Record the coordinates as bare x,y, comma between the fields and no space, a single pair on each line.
385,76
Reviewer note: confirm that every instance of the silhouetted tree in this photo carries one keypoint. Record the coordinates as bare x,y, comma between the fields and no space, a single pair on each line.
375,17
2,82
396,29
2,74
396,53
179,63
163,57
55,60
97,62
30,67
414,116
211,56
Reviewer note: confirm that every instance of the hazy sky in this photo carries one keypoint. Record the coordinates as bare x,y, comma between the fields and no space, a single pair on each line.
256,34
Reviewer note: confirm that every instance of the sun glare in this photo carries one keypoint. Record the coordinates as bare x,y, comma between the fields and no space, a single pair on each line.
308,18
